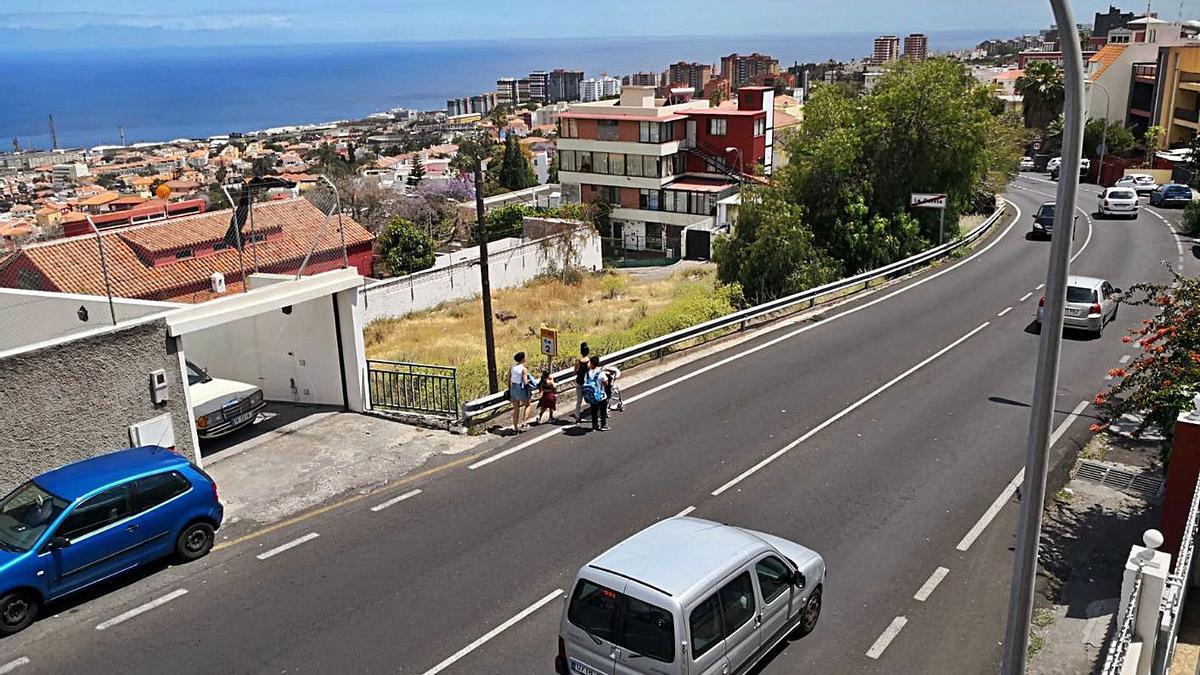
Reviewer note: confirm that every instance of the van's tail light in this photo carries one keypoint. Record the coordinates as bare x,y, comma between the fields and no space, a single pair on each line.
1095,308
1042,302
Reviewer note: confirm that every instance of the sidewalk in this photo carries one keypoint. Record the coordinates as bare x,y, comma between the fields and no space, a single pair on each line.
1086,535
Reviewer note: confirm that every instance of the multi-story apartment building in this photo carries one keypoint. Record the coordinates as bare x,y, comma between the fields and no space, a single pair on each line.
563,85
597,88
742,70
457,106
887,48
916,47
507,91
522,90
694,75
66,174
483,103
539,86
641,79
664,164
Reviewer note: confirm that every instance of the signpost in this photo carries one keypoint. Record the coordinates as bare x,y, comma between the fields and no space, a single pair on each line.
921,200
549,345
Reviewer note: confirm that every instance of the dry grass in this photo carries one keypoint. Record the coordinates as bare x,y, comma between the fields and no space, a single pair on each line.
609,311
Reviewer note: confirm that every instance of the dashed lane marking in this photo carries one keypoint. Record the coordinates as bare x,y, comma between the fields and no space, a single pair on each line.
454,658
142,609
395,500
290,545
685,512
931,584
886,637
14,664
1025,297
1004,311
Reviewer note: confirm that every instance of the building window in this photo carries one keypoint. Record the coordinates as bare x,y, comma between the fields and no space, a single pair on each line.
648,200
648,132
185,254
716,127
650,167
600,162
760,126
585,161
566,160
616,164
609,194
606,130
633,165
570,128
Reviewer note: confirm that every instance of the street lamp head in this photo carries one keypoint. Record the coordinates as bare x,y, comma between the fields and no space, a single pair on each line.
731,149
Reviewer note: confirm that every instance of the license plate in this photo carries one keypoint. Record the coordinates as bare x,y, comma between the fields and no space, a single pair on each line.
577,667
1074,311
242,419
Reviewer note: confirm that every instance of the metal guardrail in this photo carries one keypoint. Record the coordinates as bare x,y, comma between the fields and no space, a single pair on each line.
413,387
1114,660
1175,591
494,402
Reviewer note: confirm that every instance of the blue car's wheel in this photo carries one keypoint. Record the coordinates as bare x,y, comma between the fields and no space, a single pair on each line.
195,541
17,610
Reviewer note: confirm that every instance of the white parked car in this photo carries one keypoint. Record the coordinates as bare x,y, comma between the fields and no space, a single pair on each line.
1053,163
1141,183
221,406
1027,164
1118,201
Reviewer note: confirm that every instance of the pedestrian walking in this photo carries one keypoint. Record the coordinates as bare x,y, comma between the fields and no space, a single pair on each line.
594,392
520,390
581,370
548,398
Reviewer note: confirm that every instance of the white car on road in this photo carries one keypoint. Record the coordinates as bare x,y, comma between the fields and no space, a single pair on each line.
221,406
1118,201
1140,183
1091,303
1027,164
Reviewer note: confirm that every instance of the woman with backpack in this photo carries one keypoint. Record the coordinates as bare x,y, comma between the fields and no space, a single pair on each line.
594,392
581,370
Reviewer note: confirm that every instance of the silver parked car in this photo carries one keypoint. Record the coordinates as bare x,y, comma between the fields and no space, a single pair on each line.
1091,303
1118,201
687,595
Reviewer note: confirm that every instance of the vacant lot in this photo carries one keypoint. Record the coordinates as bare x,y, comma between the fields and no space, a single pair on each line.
609,311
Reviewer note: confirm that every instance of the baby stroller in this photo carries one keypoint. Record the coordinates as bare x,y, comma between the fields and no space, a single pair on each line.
614,392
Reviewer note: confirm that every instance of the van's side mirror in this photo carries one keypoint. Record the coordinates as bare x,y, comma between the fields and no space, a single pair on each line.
798,579
58,542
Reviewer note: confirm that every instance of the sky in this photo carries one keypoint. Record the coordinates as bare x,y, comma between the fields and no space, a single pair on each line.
116,23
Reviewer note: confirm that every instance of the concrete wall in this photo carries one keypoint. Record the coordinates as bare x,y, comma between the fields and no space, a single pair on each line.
507,269
35,316
292,357
76,399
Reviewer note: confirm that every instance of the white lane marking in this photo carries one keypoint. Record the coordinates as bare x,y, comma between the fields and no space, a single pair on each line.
685,512
395,500
1175,235
1086,216
931,584
1125,359
122,618
493,633
1011,489
886,637
770,343
1025,297
14,664
1004,311
1040,287
849,409
291,544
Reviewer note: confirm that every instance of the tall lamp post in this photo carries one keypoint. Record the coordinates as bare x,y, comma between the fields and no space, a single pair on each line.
1104,136
1041,413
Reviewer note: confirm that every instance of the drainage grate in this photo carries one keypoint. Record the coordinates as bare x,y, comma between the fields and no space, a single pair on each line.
1115,477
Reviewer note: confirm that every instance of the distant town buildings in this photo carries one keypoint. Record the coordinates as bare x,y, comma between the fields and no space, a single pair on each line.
694,75
743,70
640,79
563,85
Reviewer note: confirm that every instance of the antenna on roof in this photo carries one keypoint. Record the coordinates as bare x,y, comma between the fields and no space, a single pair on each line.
53,134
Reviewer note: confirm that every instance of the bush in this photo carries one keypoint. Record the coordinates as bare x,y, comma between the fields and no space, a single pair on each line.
404,248
1191,218
983,201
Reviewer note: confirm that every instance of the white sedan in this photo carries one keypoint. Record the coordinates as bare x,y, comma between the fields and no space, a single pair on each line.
1118,201
221,406
1027,164
1140,183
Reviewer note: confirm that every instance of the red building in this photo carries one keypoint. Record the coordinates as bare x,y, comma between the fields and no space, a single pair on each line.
131,213
175,259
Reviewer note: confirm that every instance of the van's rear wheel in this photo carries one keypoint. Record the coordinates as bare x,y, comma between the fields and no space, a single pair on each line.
811,613
17,610
195,541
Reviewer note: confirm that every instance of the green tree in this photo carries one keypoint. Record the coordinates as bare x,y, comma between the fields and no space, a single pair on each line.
1152,139
417,173
262,166
516,172
405,248
505,221
1042,88
772,252
1120,138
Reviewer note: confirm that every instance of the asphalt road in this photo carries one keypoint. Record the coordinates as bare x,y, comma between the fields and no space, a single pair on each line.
881,436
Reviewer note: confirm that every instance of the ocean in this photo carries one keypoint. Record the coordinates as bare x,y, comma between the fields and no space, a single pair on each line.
159,94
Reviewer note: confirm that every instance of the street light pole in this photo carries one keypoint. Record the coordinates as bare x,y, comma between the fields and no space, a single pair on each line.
485,284
1033,491
1104,136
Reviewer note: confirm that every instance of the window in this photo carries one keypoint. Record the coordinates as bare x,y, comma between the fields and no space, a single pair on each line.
737,602
633,165
627,622
184,254
569,128
104,509
760,126
705,623
600,162
585,161
606,130
716,126
610,194
594,609
25,514
650,166
155,490
648,199
566,160
616,164
1080,294
649,132
773,577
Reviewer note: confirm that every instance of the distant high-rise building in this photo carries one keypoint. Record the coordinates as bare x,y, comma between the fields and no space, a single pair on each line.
916,47
887,48
596,88
694,75
743,70
483,103
507,92
539,86
640,79
523,90
458,106
563,85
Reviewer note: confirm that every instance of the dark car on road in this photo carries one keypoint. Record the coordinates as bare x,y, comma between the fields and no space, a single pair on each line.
82,523
1043,221
1171,194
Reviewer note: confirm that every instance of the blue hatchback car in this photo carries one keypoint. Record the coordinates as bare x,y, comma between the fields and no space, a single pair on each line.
85,522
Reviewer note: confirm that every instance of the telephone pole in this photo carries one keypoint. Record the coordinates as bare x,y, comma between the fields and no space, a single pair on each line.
485,284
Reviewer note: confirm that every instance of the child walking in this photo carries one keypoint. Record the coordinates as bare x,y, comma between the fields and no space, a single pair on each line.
548,398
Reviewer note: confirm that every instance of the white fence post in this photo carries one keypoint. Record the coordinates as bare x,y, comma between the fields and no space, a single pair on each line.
1153,565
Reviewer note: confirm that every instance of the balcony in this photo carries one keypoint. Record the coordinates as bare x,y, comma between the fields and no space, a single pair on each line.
1187,117
1145,72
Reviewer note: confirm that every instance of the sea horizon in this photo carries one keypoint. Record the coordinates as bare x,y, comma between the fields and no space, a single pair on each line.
162,94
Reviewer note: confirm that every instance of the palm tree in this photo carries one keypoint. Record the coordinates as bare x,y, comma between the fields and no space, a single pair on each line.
1042,88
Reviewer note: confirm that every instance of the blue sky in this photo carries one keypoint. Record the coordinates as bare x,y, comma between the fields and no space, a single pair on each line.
81,23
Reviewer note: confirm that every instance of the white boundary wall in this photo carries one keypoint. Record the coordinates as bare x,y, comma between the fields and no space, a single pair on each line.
507,268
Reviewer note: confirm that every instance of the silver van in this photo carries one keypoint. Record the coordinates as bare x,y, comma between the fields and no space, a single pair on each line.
687,596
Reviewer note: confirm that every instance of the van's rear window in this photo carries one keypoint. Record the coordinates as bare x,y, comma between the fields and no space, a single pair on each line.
627,622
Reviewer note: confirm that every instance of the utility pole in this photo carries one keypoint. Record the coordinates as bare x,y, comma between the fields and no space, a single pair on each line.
485,284
1045,382
53,134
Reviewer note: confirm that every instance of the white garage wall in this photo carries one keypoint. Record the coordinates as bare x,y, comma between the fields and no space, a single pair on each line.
291,357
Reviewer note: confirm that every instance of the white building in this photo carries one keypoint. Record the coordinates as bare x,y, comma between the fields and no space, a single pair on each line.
541,166
65,175
596,88
1110,70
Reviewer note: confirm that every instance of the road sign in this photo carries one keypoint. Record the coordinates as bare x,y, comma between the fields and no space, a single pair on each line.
549,341
1037,145
927,201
